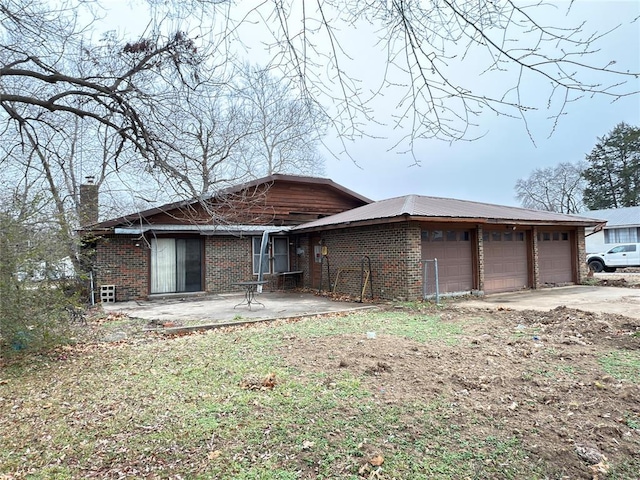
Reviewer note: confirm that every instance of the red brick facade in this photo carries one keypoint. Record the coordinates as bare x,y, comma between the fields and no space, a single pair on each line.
227,260
123,261
394,251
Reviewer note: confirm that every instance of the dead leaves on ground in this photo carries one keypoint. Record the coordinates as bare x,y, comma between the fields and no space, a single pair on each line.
99,319
372,468
268,382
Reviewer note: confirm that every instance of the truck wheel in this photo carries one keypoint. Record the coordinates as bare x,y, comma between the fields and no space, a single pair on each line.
596,265
609,269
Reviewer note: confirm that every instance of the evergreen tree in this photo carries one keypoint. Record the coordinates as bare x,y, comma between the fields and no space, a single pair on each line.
613,175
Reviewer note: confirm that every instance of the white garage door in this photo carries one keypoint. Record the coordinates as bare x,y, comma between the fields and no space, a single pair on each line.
505,261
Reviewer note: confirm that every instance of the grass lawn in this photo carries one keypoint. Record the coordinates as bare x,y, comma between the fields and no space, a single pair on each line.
436,394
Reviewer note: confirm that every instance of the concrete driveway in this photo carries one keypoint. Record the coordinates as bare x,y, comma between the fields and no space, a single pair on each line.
618,300
230,308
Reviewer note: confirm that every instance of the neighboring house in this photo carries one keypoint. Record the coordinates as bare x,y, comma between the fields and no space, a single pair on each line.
622,226
331,235
58,270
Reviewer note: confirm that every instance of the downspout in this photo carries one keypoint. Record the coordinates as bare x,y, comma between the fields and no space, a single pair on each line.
263,251
597,228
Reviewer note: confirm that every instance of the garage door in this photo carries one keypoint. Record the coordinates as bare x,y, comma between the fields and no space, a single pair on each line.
505,261
554,257
452,248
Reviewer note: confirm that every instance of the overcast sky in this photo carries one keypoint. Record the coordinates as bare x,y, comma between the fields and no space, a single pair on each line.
487,169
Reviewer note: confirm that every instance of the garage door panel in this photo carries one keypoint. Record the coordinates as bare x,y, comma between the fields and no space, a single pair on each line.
455,260
505,261
555,259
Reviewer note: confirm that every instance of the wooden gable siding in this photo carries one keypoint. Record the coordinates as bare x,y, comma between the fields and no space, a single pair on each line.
296,203
279,203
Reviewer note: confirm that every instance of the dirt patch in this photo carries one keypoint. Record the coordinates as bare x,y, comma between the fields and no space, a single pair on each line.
616,281
534,375
623,277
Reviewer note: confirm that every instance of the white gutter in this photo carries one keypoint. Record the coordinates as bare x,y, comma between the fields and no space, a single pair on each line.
201,229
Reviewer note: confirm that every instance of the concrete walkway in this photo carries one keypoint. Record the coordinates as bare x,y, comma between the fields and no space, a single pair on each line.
617,300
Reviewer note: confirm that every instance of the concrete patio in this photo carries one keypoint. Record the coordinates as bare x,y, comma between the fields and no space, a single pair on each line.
231,308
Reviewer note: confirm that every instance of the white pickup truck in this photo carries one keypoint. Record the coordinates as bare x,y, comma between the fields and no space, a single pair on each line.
620,256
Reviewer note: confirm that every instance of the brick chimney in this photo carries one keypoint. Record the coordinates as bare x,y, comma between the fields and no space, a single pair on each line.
88,202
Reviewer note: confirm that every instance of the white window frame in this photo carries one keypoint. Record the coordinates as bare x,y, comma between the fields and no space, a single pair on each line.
269,265
256,243
282,241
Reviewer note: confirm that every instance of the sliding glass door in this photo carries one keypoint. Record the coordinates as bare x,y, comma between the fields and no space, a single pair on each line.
176,265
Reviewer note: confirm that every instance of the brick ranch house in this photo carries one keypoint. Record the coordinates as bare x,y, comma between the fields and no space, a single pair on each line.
333,237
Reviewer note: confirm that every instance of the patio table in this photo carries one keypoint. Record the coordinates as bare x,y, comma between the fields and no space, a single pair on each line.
250,292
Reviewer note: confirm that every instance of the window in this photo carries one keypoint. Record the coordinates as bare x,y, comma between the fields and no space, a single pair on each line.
623,248
447,235
280,248
553,236
619,235
257,242
276,259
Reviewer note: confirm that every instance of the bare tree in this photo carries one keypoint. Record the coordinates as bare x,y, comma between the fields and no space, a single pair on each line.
285,131
436,55
50,71
444,62
553,189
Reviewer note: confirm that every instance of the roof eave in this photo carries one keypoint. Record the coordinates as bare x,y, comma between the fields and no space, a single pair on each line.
433,219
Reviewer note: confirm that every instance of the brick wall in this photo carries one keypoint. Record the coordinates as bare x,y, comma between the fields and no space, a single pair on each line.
536,258
582,268
123,261
480,254
227,260
394,250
